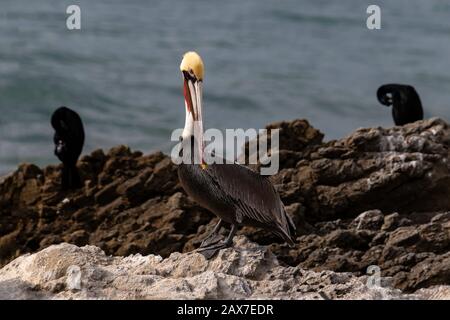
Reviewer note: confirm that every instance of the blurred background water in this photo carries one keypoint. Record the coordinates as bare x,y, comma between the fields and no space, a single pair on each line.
266,60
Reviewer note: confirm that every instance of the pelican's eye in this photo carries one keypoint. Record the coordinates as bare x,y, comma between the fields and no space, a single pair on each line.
190,75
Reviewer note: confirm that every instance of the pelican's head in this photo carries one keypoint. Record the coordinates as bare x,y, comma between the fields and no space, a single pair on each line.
192,65
192,69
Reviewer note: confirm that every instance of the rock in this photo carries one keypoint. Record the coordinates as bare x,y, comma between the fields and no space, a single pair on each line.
296,138
79,237
431,271
66,271
107,194
296,135
33,207
370,220
434,237
377,197
391,222
29,170
158,182
349,239
404,237
119,152
134,189
373,169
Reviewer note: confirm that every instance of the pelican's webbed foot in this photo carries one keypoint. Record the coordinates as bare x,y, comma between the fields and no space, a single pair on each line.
210,251
211,240
213,237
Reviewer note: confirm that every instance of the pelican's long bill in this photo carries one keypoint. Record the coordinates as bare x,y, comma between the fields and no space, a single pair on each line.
192,69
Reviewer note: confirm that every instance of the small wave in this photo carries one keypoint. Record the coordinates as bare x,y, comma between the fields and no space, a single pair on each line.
323,20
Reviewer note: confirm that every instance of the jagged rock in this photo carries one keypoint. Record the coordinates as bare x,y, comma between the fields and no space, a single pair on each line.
430,271
391,222
403,237
66,271
107,194
371,220
377,197
296,135
114,200
400,169
341,246
296,139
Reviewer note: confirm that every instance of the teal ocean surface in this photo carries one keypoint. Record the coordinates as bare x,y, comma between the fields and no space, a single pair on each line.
265,61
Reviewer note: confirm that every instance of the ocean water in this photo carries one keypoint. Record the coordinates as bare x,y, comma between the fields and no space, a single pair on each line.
265,60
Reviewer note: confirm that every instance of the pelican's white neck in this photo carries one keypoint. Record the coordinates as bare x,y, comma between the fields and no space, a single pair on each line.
193,126
188,124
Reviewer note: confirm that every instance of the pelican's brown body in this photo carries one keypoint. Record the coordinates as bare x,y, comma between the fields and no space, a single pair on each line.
238,196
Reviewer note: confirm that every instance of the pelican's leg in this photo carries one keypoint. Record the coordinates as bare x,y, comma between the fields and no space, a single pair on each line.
210,251
229,240
213,237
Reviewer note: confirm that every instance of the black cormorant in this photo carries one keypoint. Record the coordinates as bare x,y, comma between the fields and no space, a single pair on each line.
405,102
69,140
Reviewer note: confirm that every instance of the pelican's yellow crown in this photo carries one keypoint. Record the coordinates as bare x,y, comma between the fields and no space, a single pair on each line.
192,62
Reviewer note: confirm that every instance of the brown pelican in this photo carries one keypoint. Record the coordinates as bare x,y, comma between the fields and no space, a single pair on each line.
234,193
405,102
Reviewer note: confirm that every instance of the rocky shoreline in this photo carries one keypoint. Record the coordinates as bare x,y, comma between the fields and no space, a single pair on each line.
248,271
377,197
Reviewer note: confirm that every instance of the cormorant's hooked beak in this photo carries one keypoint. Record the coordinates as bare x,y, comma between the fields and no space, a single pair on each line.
194,119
